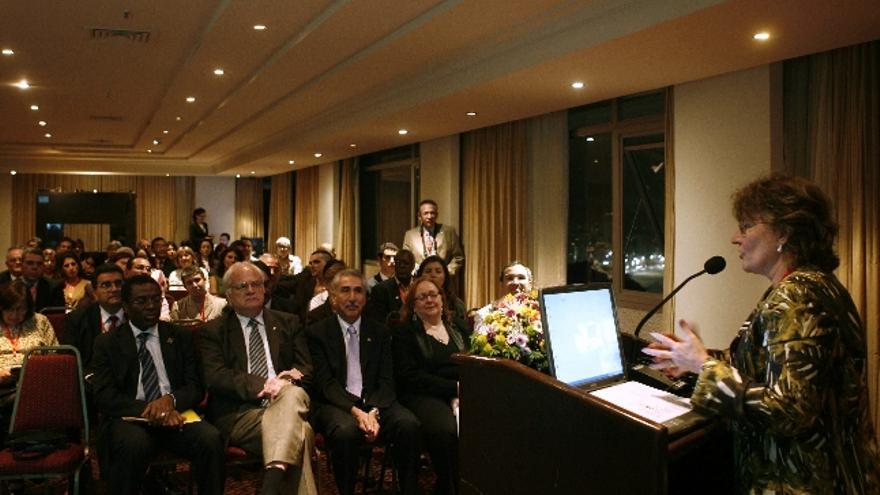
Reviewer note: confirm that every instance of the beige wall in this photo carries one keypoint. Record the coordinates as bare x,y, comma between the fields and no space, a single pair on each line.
721,141
217,196
5,220
440,178
328,203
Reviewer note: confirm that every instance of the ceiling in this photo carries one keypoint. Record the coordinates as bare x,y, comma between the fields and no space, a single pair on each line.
341,78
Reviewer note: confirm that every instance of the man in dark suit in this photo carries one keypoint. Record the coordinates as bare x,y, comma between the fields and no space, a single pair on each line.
387,297
45,292
307,280
13,265
277,299
256,362
147,370
354,387
105,315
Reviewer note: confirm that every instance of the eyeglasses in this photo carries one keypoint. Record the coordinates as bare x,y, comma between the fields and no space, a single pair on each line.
108,284
245,285
746,225
388,257
143,301
427,295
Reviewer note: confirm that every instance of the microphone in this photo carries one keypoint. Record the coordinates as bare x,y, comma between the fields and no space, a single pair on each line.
713,265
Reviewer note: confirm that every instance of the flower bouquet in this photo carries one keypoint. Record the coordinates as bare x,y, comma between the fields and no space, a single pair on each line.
511,328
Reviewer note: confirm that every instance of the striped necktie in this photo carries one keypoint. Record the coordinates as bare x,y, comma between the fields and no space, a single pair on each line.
256,351
149,377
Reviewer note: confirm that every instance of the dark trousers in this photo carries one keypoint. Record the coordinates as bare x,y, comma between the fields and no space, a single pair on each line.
133,445
441,438
398,427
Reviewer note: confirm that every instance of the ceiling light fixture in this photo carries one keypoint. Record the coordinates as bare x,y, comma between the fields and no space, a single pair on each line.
12,172
591,139
35,107
291,162
577,85
352,145
8,52
259,27
165,131
149,150
156,142
403,132
94,191
48,135
219,72
762,36
471,114
319,155
177,118
23,84
190,99
42,123
238,176
167,175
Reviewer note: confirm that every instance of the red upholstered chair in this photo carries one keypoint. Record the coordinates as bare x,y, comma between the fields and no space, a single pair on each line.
56,317
50,396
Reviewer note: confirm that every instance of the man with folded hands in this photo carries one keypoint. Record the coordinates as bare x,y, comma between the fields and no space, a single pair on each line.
145,375
256,362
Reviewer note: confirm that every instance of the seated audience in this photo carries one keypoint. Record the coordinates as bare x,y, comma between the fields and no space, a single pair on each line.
44,292
325,310
64,245
198,303
186,257
228,258
147,369
206,254
14,258
290,263
159,248
386,299
49,270
434,268
89,265
83,325
515,277
77,289
307,283
23,330
354,398
427,379
268,263
256,362
141,266
385,257
121,256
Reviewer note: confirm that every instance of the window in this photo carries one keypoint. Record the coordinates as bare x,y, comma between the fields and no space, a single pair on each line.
617,196
388,182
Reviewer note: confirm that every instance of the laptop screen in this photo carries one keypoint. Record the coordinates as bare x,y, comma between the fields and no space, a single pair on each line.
580,325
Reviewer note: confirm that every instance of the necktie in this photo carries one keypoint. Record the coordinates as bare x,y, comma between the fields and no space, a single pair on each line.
353,381
256,351
149,377
112,321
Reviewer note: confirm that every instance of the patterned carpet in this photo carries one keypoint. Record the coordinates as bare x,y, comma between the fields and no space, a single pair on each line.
245,480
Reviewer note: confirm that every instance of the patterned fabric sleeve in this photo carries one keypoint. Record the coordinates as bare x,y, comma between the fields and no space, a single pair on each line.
795,352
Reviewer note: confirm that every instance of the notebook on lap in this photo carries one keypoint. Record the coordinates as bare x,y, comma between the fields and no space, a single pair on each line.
584,347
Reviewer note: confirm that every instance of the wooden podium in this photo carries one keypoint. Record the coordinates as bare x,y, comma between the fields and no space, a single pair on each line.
522,431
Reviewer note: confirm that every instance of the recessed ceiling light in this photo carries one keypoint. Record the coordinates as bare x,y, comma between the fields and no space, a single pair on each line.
12,172
252,172
319,155
167,175
190,99
23,84
177,118
149,150
577,85
402,131
291,162
48,135
591,139
156,142
762,36
259,27
471,114
238,176
8,52
94,191
352,145
42,123
35,107
219,72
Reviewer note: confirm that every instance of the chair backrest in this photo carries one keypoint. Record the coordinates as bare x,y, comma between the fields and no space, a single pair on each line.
57,321
50,392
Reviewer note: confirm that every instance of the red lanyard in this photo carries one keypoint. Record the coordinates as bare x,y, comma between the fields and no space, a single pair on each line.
12,341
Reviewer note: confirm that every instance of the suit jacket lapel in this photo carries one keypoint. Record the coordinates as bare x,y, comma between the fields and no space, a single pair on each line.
337,347
166,343
274,339
128,353
235,336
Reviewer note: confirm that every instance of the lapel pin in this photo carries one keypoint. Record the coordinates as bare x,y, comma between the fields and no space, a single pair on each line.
169,340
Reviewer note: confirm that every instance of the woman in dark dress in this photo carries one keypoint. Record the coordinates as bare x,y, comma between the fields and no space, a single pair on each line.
427,379
434,268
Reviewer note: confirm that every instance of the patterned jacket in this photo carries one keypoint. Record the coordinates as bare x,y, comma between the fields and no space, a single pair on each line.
794,384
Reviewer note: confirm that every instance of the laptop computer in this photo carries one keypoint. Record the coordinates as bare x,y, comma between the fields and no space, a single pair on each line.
584,349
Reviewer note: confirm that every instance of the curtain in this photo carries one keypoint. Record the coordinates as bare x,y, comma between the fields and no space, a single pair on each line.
306,211
347,240
249,207
158,204
494,206
280,208
832,136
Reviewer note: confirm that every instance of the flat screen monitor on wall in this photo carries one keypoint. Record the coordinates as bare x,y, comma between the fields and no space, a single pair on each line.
56,209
